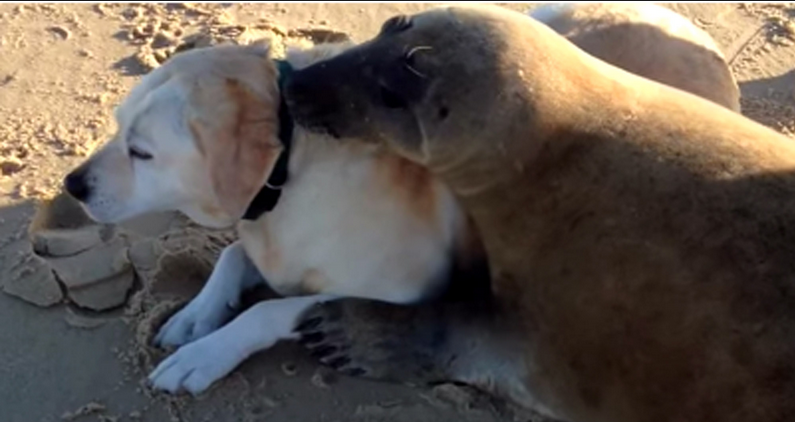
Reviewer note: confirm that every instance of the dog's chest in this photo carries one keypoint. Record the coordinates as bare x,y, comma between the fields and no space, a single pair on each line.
337,230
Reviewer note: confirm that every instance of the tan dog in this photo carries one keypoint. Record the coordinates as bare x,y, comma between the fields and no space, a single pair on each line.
203,135
641,239
647,40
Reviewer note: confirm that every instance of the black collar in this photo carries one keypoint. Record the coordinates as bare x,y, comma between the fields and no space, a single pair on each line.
267,198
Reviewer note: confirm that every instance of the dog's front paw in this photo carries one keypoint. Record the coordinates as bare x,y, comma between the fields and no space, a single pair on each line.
196,320
196,366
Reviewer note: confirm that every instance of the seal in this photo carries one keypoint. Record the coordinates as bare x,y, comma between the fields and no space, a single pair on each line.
641,239
648,40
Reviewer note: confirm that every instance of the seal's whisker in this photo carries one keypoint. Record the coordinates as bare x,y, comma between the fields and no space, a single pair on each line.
416,72
418,48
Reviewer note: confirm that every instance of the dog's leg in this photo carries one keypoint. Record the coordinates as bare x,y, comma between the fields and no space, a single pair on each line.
195,366
215,303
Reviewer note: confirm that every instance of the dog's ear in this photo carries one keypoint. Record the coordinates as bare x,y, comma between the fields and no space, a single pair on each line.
237,132
260,47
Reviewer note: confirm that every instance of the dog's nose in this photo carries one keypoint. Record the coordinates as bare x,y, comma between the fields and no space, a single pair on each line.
75,184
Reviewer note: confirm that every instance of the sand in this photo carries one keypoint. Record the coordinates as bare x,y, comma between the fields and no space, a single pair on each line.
81,301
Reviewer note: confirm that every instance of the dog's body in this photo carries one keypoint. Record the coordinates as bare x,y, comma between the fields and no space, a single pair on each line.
319,242
320,239
649,40
641,239
352,220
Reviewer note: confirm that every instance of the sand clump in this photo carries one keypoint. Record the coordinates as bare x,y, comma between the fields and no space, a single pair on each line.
88,262
151,267
92,408
31,279
98,278
83,322
95,267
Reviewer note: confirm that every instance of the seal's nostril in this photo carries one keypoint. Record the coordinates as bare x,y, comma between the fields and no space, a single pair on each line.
75,184
331,131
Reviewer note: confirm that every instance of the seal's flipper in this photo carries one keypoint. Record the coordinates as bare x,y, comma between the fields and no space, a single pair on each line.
379,340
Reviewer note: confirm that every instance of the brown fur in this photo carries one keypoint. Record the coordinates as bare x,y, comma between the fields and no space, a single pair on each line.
234,146
412,182
640,238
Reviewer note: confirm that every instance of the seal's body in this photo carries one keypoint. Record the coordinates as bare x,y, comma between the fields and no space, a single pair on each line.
641,239
648,40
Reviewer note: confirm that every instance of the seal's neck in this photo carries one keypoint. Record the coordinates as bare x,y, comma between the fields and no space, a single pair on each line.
512,174
268,196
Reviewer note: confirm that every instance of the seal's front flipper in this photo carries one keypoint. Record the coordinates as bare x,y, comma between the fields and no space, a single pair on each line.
379,340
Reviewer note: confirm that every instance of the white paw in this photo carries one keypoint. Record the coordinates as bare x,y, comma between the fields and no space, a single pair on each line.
197,319
196,366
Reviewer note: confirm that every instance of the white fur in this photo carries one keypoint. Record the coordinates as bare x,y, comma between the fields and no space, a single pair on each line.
335,217
214,304
196,366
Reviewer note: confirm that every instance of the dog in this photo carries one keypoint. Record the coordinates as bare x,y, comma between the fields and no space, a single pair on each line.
208,135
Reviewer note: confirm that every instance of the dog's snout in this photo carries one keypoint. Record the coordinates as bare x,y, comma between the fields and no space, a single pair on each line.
75,184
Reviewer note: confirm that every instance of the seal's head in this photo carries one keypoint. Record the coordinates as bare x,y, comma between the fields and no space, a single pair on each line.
424,85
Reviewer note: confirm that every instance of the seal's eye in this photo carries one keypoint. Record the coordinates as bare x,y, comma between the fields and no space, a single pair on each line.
396,24
138,154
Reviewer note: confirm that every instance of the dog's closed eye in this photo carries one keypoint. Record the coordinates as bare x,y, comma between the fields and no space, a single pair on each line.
138,154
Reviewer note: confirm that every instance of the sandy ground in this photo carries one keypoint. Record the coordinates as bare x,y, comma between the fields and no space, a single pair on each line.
78,310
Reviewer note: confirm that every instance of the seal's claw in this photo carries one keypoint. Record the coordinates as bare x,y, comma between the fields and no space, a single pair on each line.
372,339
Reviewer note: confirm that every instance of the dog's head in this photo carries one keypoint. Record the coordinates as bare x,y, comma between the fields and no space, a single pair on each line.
197,135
